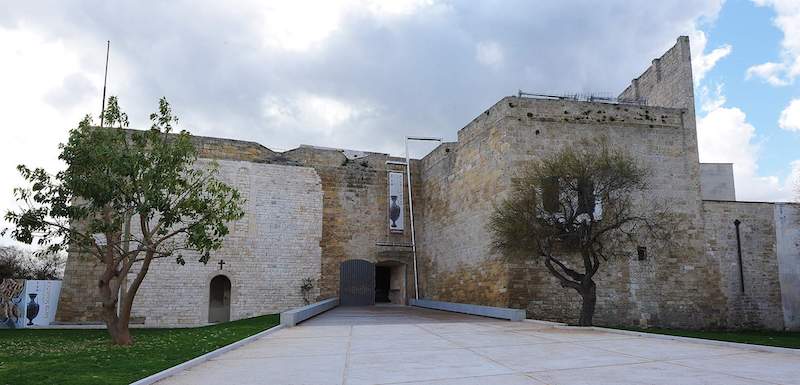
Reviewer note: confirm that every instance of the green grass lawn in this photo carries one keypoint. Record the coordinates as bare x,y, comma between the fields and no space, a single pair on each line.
768,338
29,356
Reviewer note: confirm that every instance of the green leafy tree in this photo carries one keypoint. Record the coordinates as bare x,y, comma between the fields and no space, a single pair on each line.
576,209
117,179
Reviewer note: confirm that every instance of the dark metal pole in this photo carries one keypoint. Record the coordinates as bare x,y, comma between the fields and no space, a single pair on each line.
739,252
105,78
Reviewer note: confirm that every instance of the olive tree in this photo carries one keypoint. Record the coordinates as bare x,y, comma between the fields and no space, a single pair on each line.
575,210
116,178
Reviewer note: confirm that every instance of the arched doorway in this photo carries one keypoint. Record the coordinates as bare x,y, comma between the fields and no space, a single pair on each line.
356,283
219,300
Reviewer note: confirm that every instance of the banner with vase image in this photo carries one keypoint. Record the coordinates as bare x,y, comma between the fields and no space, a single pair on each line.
396,202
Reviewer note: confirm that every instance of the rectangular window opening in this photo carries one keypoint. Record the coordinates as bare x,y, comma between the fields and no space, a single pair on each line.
550,194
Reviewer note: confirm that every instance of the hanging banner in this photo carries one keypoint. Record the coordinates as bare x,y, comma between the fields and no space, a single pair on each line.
396,202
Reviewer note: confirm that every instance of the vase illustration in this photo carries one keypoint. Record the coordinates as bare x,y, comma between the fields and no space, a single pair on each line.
394,211
33,309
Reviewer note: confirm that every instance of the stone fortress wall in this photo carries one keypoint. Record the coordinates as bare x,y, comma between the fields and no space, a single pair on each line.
463,185
79,301
688,285
311,208
307,210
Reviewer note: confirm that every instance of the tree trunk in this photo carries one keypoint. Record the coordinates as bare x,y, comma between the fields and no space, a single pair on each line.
119,331
589,299
117,328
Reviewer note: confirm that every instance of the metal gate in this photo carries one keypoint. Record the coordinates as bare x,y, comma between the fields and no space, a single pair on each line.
356,283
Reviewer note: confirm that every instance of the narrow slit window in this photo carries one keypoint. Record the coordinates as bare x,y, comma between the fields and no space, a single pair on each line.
586,198
641,253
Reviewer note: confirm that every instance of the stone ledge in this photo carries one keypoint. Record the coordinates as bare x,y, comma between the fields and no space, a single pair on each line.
485,311
293,317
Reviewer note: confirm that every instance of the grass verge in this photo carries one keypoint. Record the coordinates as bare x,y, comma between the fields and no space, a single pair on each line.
58,356
754,337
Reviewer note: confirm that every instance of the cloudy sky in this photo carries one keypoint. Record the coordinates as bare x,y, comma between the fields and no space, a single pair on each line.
362,74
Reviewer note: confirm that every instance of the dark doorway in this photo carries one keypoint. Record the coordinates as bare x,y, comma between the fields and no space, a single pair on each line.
356,283
383,276
219,300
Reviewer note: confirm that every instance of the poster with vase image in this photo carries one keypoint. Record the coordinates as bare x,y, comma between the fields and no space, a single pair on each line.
41,302
396,202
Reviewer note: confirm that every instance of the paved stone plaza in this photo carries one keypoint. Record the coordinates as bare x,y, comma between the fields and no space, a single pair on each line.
396,344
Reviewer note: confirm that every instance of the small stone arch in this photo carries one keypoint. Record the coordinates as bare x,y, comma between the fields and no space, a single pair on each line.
219,299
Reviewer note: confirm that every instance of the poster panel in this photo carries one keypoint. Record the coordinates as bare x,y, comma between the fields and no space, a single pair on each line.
41,301
12,303
396,208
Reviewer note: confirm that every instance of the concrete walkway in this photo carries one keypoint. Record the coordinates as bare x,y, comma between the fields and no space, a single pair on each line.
389,345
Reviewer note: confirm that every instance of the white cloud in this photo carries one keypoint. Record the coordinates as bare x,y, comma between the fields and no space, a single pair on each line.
300,25
45,92
703,62
725,136
793,181
709,102
390,8
314,114
790,116
787,19
772,73
290,25
342,73
489,53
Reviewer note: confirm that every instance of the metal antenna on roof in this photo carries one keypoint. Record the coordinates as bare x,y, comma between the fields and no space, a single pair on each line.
105,78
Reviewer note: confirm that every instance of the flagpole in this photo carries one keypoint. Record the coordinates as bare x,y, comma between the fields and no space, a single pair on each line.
105,78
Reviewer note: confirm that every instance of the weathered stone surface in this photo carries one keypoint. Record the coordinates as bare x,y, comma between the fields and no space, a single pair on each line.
463,184
716,181
757,304
267,254
355,215
787,230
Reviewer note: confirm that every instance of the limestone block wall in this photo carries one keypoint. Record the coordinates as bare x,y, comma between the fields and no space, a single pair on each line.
675,286
667,81
461,182
716,181
649,292
231,149
355,215
757,304
464,180
78,301
267,253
